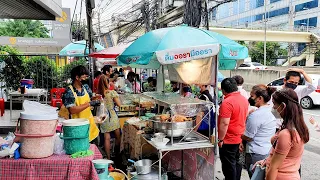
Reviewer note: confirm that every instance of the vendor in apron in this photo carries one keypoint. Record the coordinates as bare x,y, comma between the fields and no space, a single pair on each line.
77,99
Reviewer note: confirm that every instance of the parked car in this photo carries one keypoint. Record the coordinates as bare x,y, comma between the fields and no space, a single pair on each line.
306,102
252,65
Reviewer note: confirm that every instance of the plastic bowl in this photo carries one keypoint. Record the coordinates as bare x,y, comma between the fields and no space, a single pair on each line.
160,143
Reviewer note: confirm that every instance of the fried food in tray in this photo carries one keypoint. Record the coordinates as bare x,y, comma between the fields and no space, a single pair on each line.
175,118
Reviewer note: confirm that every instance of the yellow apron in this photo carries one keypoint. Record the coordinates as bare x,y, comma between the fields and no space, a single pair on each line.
93,130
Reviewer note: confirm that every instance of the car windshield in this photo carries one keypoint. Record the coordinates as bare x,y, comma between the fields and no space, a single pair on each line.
257,64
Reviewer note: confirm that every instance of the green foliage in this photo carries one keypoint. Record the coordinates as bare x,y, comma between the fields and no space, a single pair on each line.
42,70
8,50
13,71
24,28
273,52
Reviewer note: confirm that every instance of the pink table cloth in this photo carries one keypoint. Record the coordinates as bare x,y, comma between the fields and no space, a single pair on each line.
55,167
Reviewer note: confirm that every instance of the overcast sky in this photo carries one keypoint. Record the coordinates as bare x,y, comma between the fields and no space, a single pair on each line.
116,6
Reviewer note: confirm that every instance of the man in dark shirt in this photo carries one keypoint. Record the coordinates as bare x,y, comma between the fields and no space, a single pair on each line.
204,126
204,94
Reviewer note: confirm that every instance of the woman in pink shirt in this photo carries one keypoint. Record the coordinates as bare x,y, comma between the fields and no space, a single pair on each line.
284,160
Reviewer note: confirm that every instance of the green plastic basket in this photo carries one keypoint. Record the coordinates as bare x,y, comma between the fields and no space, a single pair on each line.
76,135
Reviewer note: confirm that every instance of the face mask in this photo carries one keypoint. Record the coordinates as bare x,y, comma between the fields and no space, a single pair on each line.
276,113
291,86
251,101
83,81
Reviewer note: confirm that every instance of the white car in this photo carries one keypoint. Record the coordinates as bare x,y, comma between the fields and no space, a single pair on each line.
306,102
252,65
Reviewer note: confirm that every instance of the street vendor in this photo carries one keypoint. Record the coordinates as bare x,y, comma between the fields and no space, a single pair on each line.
203,127
77,99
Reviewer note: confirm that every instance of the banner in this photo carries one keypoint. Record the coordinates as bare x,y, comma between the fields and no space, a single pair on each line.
173,56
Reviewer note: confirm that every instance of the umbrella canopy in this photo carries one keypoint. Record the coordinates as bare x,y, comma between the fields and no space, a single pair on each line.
78,48
146,48
110,53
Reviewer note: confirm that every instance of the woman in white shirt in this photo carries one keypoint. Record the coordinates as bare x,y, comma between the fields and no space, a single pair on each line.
260,126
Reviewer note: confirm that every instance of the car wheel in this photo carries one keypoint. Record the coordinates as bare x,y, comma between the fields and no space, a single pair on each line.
306,102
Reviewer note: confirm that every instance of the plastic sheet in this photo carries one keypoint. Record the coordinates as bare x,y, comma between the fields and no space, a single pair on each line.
102,114
58,145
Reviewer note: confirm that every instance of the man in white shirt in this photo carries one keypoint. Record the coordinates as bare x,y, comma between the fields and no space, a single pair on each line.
292,79
240,82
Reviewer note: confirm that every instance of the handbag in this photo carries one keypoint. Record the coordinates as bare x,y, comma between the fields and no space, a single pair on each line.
260,171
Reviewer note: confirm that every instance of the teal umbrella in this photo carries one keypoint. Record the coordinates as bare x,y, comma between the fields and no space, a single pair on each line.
147,49
78,48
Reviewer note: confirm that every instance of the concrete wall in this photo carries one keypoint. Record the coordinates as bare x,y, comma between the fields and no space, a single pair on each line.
254,77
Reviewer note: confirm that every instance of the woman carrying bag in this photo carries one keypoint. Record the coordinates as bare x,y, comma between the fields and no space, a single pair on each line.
284,160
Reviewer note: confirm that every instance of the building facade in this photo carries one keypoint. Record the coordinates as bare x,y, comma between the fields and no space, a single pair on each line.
297,15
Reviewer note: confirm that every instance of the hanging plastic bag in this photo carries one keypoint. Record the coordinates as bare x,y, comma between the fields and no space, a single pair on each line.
58,145
102,114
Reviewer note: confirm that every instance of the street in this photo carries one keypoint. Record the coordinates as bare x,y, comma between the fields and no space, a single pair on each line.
311,156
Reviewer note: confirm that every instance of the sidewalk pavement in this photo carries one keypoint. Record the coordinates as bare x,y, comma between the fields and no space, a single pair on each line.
220,176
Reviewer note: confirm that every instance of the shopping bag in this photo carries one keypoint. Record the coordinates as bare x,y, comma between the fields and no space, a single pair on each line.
259,172
102,114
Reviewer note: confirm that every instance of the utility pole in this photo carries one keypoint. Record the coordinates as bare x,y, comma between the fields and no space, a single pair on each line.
90,5
265,34
291,28
206,15
145,14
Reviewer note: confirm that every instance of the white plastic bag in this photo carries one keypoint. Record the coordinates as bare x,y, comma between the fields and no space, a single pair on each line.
102,114
58,145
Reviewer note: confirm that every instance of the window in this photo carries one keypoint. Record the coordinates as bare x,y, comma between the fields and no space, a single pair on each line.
278,82
273,1
278,12
306,6
304,22
244,65
242,6
235,8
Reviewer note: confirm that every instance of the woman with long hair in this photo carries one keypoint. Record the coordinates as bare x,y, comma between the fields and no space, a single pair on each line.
260,126
111,98
284,160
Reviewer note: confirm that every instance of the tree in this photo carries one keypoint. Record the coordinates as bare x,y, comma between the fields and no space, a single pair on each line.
24,28
256,52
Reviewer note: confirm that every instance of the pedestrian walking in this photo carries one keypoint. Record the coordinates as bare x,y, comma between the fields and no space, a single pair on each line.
260,126
284,160
231,125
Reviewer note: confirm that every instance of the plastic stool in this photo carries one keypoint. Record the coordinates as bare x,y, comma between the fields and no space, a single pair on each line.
2,106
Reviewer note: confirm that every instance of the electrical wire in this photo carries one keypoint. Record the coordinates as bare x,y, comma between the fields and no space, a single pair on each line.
70,31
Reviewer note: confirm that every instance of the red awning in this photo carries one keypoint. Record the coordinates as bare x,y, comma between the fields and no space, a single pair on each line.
110,53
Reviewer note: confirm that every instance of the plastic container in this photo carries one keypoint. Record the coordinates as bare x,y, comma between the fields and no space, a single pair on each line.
75,135
28,83
102,166
37,134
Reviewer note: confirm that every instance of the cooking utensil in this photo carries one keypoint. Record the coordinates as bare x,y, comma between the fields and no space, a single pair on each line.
160,143
173,129
142,166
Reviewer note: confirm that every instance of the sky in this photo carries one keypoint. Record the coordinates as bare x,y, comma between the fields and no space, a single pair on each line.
116,6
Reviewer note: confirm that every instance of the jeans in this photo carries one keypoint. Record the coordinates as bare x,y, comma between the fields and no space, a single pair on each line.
229,156
252,158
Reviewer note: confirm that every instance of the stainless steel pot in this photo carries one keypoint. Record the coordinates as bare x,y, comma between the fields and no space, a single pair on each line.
142,166
173,129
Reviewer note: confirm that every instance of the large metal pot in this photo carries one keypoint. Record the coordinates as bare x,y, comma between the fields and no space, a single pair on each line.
142,166
173,129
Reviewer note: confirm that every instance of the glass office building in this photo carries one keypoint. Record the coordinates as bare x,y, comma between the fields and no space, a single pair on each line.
251,13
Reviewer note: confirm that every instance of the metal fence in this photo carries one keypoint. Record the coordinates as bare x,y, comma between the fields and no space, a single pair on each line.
47,71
